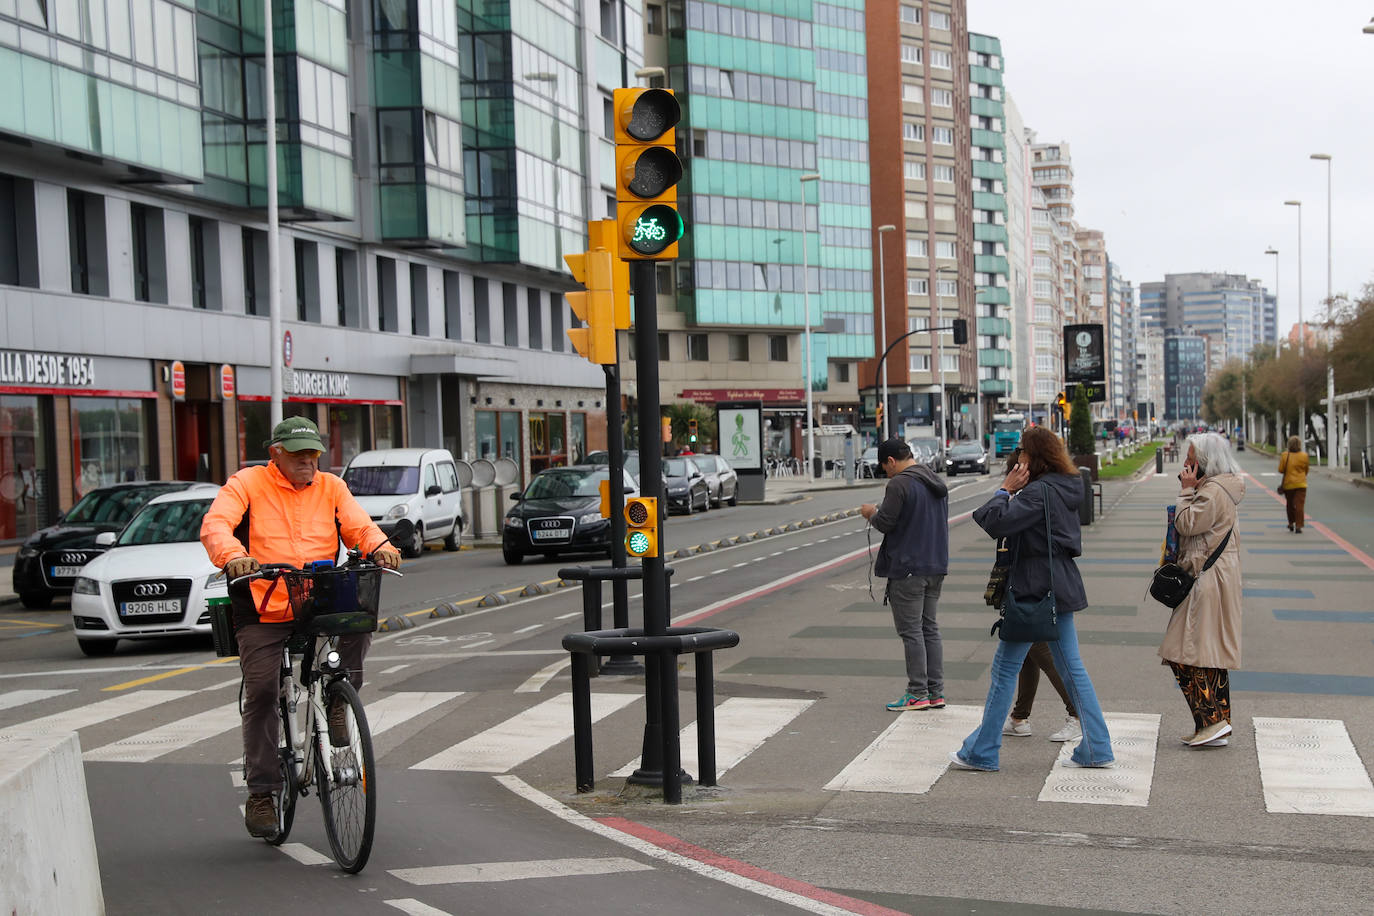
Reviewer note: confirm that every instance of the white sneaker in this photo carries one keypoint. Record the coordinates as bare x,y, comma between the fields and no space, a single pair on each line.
1210,733
1017,728
1069,732
1070,762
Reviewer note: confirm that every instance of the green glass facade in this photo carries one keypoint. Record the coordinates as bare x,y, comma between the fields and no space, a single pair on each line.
776,91
989,199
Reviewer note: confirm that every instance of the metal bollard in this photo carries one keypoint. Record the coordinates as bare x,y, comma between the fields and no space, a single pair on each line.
1085,508
1159,460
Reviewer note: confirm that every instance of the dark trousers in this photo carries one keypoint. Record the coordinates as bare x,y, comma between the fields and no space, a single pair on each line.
1297,503
260,648
1207,692
1038,659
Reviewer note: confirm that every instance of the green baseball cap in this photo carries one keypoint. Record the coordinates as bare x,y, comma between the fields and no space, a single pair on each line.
297,434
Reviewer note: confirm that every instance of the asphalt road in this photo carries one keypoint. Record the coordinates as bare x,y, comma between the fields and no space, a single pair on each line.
476,768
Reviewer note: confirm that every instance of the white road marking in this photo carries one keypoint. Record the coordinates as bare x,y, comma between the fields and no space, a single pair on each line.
911,753
391,709
95,713
695,578
479,872
568,616
304,854
536,681
485,642
738,565
533,626
14,698
1310,766
1134,739
776,553
232,682
413,907
168,737
394,668
522,736
742,725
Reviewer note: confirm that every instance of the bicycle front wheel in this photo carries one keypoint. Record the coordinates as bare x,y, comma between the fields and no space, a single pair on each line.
345,777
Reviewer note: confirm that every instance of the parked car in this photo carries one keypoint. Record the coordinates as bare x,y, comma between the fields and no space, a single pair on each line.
50,559
721,480
927,452
685,486
154,578
560,512
604,457
966,456
420,484
868,464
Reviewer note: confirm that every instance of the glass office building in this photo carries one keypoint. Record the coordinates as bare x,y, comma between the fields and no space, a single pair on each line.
990,219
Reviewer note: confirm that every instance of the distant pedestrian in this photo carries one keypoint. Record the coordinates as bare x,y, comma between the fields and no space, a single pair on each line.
1293,466
914,558
1202,640
1045,476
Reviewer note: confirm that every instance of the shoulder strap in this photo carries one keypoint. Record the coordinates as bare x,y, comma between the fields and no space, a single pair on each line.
1049,535
1216,554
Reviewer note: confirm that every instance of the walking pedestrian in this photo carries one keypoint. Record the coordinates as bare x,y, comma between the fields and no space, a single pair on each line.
1293,466
1044,477
1202,641
914,558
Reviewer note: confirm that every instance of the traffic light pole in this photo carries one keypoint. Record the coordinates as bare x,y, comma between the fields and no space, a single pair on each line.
620,586
877,373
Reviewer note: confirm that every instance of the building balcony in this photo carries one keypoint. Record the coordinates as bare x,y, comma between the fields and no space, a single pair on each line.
989,232
996,295
988,108
994,327
1000,358
991,264
987,200
985,76
982,168
989,139
995,386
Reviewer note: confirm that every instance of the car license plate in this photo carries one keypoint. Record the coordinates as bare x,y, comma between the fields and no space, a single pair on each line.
550,534
139,608
66,572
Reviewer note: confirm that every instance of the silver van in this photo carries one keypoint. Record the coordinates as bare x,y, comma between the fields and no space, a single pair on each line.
420,484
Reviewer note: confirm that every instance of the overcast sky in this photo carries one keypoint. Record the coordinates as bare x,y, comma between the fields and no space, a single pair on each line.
1190,122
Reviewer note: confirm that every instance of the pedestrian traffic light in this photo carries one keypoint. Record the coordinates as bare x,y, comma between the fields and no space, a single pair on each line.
692,431
960,331
601,234
647,172
595,306
641,520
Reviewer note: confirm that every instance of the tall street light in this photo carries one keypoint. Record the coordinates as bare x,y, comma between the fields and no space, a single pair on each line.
806,306
1302,332
882,317
1278,416
269,89
1332,439
938,343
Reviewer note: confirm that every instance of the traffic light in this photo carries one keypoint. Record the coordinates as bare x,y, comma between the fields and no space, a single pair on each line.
1064,405
603,487
879,418
641,520
647,171
601,234
960,331
667,429
595,306
692,431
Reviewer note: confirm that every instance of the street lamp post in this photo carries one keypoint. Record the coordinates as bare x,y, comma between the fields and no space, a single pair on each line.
882,318
1302,333
1333,439
806,306
1278,416
273,227
939,344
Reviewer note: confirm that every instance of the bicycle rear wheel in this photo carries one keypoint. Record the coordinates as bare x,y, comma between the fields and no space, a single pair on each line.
286,795
346,781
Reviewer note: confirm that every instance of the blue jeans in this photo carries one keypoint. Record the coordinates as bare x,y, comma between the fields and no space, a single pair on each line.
981,748
914,601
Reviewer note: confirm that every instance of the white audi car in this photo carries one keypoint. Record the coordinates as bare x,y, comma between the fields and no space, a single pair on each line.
154,579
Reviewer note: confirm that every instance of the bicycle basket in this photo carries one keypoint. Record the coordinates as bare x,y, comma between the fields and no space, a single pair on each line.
333,602
222,627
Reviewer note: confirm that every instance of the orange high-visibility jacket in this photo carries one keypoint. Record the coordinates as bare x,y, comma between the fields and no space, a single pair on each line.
283,525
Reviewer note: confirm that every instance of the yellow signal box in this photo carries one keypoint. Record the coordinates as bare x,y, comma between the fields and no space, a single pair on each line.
641,520
595,307
601,234
647,172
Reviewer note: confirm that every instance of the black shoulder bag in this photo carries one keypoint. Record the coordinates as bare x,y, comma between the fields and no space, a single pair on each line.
1030,620
1172,583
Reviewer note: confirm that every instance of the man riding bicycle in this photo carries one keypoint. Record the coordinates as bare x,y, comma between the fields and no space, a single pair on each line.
287,511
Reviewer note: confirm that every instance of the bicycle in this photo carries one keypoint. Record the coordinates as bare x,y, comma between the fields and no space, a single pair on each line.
327,602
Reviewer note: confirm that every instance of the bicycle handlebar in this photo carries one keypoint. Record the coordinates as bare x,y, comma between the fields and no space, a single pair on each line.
275,570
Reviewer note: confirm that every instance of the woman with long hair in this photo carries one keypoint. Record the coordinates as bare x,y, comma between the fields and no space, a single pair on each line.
1202,640
1293,466
1044,477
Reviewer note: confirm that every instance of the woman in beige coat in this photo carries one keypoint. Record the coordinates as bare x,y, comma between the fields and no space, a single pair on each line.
1293,466
1203,637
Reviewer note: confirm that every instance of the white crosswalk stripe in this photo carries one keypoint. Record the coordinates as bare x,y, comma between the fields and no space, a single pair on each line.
525,735
96,713
168,737
1310,766
742,725
910,754
15,698
1134,739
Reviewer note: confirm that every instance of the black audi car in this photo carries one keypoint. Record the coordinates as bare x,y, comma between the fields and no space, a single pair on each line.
49,560
559,512
966,456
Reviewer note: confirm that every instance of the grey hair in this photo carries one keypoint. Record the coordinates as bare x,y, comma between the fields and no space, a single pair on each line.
1213,454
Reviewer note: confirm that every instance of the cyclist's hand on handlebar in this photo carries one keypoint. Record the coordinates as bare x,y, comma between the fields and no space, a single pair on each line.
387,557
241,566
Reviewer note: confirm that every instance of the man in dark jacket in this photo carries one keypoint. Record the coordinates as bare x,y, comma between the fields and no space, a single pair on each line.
914,557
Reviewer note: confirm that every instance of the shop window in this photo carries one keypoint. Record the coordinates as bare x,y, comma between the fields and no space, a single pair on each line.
110,441
86,241
346,288
307,281
481,310
255,425
18,233
349,434
386,426
535,316
25,488
577,437
419,300
149,253
498,435
548,441
453,313
386,295
204,263
255,272
510,315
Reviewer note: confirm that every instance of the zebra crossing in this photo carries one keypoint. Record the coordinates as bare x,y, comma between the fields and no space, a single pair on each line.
1306,766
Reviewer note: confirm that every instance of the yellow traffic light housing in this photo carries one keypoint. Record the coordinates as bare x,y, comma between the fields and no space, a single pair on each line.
692,431
601,234
647,172
641,521
595,307
604,488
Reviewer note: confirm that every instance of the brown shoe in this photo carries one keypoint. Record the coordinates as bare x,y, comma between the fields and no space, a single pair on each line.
338,722
260,817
